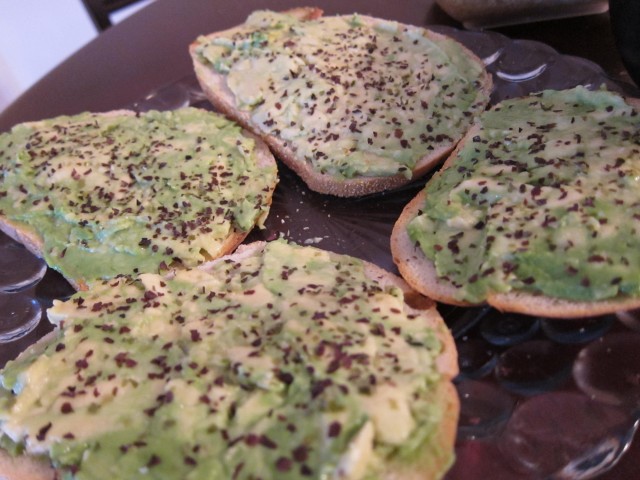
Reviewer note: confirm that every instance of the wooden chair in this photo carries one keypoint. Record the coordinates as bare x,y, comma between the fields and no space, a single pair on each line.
99,10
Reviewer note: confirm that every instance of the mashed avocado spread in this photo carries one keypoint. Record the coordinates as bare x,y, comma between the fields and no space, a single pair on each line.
354,98
545,199
120,194
286,364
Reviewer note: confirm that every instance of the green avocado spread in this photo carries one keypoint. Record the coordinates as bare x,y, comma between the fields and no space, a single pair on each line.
285,364
353,96
545,198
120,194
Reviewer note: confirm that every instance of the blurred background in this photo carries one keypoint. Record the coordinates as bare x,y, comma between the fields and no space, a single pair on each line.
36,35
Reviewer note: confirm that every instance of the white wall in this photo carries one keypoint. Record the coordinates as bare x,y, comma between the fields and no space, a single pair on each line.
36,35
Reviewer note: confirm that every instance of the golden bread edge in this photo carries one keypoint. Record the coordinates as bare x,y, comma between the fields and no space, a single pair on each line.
222,98
420,272
432,466
23,233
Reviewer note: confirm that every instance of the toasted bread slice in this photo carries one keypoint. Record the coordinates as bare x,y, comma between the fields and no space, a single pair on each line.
104,194
349,113
327,361
513,160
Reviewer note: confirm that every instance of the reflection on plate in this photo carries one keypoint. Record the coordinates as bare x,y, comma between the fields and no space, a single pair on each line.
520,67
510,404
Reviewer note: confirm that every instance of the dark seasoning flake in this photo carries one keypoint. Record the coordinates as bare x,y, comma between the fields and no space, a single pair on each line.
348,102
544,165
99,179
315,348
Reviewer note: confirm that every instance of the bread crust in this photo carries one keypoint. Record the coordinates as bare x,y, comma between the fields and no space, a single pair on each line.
433,463
222,98
415,268
33,241
24,468
420,272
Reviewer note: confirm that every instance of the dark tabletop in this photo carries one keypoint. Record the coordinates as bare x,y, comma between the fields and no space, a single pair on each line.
150,49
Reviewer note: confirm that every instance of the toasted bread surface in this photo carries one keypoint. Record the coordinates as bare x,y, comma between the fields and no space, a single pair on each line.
432,458
362,147
563,210
98,195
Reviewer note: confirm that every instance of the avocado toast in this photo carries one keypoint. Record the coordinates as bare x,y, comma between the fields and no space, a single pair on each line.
353,104
103,194
537,210
276,362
